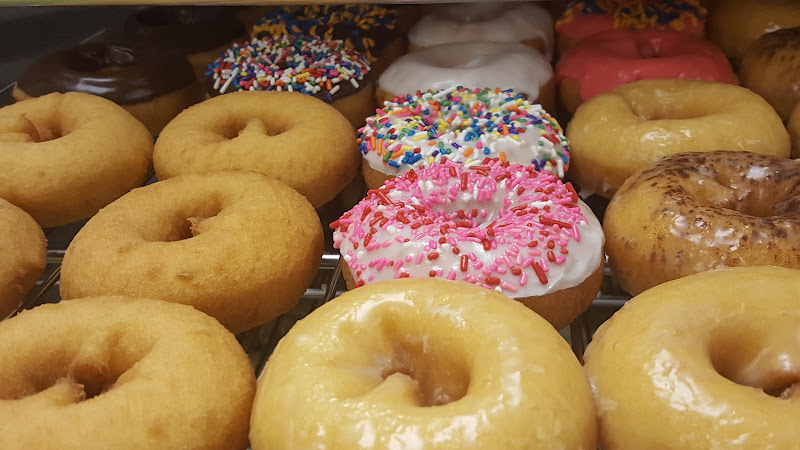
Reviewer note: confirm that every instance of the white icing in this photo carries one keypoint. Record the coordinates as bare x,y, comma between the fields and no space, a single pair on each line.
473,64
495,22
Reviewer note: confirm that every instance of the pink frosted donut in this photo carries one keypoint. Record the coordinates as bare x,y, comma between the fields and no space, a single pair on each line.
498,225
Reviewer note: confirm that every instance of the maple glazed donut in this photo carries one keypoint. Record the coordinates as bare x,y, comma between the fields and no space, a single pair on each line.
461,125
700,211
617,133
583,18
238,246
65,156
292,137
496,225
706,361
515,22
611,59
471,65
23,257
770,68
124,373
151,84
422,364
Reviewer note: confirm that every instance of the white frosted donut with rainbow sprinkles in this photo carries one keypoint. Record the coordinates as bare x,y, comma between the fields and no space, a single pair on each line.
498,225
461,125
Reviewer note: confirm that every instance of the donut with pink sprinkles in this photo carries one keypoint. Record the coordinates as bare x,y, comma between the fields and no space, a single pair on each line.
502,226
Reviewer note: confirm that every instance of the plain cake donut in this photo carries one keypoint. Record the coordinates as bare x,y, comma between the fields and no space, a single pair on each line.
292,137
22,259
700,211
238,246
617,133
422,364
123,373
707,361
65,156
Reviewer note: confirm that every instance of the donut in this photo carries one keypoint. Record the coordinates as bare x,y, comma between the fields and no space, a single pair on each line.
198,32
238,246
22,260
65,156
640,122
372,30
325,69
473,65
462,125
422,363
694,212
153,86
614,58
770,67
125,373
294,138
707,361
583,18
735,24
500,226
515,22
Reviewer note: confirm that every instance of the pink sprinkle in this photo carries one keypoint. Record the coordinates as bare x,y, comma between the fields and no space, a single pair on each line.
523,279
451,275
419,258
508,286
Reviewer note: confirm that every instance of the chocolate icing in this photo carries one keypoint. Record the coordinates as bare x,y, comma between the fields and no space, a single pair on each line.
123,75
188,29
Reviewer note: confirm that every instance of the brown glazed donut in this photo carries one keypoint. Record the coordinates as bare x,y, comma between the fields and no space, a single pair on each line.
23,249
122,373
292,137
694,212
65,156
151,84
771,68
238,246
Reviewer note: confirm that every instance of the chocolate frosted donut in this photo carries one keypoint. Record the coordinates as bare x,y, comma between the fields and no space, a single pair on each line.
152,85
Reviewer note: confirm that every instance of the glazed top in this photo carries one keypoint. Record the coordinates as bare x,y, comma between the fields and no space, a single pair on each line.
187,29
123,75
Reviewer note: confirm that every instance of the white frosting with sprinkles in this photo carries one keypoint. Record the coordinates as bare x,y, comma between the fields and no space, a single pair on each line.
498,225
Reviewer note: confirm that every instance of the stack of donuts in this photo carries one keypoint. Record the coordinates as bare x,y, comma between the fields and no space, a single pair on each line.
475,228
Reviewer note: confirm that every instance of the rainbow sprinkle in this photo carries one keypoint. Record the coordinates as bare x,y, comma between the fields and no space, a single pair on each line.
357,25
638,14
313,66
496,224
465,126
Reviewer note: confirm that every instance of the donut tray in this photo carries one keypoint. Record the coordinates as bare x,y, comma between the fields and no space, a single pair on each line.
328,284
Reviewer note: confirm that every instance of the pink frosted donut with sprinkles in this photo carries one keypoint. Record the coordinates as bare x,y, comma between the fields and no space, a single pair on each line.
461,125
502,226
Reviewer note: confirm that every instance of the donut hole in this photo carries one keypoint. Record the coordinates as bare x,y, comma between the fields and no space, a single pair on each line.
440,379
191,225
240,125
667,110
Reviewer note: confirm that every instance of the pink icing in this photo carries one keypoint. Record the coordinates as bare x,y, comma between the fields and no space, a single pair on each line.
614,58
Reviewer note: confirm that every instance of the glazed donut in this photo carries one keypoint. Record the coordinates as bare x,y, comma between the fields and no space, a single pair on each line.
65,156
372,30
694,212
735,24
500,226
584,18
151,85
124,373
422,363
611,59
771,68
238,246
473,65
294,138
325,69
462,125
23,257
617,133
515,22
708,361
198,32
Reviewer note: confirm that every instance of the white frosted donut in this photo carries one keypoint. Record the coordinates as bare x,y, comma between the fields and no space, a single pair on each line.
495,22
471,64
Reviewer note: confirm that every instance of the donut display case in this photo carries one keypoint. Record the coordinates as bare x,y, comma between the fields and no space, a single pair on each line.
632,151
